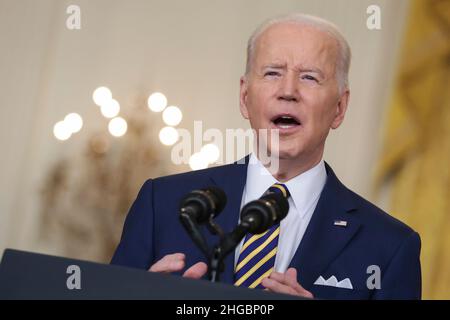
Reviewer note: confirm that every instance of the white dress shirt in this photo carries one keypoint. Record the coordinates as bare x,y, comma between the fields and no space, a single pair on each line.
305,191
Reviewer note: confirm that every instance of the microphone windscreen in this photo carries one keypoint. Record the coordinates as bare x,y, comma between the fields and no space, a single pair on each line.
220,198
204,203
279,201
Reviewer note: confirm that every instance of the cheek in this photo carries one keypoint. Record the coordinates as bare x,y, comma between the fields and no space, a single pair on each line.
318,123
320,105
257,101
258,94
319,117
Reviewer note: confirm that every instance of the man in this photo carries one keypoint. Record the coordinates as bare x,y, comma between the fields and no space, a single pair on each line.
333,244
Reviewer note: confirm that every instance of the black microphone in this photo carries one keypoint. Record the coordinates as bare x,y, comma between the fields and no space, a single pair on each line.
256,217
198,207
202,204
259,215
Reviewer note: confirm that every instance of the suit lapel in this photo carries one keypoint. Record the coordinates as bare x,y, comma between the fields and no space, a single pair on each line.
323,241
232,181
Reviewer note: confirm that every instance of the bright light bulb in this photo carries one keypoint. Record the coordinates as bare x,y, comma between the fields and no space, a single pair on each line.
211,152
101,95
110,109
172,116
157,102
198,161
168,136
117,126
61,131
73,122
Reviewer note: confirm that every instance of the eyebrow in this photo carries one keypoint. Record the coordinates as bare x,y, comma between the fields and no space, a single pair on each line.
274,66
283,66
315,70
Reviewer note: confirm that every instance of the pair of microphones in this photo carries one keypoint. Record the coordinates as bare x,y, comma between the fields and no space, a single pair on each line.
201,207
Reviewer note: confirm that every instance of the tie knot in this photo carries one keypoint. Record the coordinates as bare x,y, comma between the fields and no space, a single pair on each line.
279,188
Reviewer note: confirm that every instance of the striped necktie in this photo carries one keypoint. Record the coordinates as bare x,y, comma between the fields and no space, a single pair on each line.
257,256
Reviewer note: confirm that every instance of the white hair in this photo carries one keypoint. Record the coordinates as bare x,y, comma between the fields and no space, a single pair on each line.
344,56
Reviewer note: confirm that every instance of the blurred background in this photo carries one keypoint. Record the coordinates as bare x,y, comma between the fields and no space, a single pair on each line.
74,157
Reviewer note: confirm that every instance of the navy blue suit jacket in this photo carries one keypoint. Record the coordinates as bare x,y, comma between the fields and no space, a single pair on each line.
371,237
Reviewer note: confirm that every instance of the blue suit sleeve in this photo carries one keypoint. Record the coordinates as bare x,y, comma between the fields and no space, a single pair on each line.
136,244
402,277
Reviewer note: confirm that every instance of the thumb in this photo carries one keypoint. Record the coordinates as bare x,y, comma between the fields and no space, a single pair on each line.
291,274
197,271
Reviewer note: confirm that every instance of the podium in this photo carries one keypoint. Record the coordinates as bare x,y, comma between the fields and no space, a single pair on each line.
27,275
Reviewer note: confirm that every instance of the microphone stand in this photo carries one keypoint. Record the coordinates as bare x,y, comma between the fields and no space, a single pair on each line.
228,243
217,255
216,264
194,232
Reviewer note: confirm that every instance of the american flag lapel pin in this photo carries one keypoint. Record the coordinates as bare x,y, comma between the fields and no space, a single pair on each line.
340,223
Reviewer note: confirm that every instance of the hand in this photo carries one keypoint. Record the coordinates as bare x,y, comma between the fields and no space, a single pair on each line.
286,283
176,262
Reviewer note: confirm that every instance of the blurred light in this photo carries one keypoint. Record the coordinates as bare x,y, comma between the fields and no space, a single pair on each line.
100,144
110,108
73,122
157,102
117,127
101,95
211,152
61,131
168,136
172,116
198,161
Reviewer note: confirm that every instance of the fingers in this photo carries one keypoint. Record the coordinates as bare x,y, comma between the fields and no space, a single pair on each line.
277,287
284,278
289,278
197,271
176,262
169,263
286,283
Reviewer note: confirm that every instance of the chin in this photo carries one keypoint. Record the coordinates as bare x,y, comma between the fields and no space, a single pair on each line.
286,152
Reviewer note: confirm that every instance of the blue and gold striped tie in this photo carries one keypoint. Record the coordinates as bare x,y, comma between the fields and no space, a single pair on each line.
257,256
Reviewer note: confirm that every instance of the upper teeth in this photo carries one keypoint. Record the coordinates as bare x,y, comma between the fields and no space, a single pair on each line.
286,117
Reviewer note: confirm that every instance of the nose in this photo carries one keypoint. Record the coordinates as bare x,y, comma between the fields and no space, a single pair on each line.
288,88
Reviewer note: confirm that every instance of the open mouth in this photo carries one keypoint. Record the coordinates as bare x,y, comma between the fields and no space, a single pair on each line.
285,121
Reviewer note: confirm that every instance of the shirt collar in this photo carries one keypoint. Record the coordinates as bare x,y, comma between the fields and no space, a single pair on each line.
305,188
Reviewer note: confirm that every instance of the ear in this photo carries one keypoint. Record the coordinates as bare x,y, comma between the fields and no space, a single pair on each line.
243,96
341,108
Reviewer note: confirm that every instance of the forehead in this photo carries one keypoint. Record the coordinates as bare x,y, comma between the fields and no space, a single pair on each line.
298,45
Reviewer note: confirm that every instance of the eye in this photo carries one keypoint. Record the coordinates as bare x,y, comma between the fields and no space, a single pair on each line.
309,77
271,74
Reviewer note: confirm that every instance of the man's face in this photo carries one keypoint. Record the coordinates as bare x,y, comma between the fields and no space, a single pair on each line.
292,87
